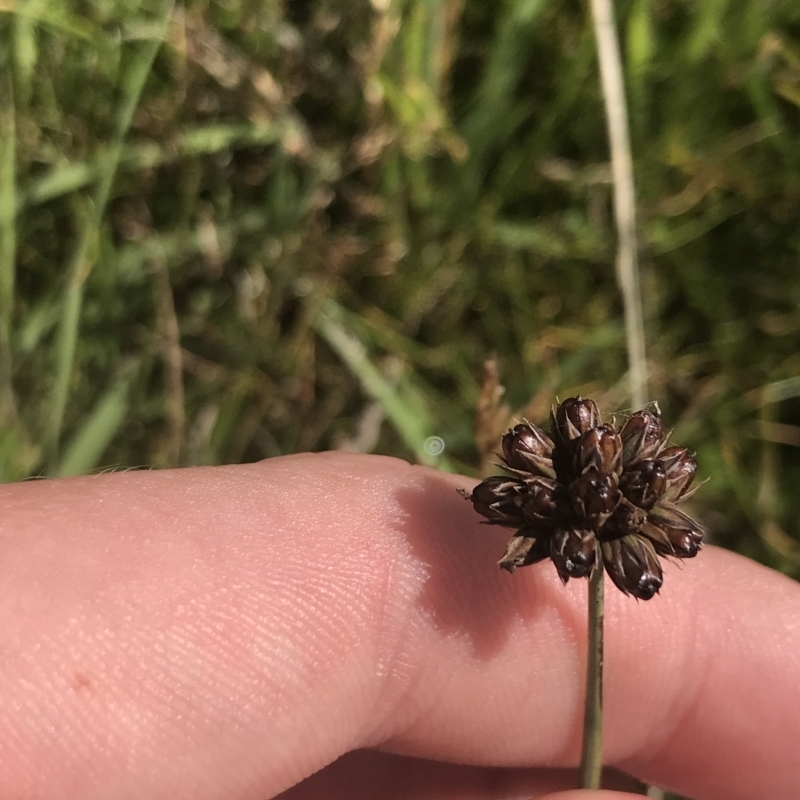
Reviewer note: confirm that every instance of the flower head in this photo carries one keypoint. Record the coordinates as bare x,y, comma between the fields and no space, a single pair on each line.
590,492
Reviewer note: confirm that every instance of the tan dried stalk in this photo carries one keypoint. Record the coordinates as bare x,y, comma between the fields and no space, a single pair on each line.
616,107
611,77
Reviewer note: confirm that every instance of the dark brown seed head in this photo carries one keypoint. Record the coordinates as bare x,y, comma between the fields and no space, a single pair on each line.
573,552
644,483
594,497
593,492
680,468
527,448
632,563
572,418
600,448
642,437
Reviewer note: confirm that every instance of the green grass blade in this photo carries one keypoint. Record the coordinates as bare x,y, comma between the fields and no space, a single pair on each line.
408,417
84,451
8,243
25,50
86,250
198,141
64,21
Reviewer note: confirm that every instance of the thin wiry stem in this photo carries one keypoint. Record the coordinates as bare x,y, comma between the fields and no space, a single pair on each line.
8,246
172,356
611,78
592,750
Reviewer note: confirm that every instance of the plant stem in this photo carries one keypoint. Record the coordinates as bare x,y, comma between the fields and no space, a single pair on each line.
592,751
613,85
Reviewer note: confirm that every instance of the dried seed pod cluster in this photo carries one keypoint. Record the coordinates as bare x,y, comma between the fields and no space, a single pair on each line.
590,490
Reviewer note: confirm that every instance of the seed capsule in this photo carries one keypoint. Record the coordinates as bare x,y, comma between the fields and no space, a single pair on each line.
680,468
568,421
500,500
573,417
540,501
642,437
632,563
523,550
573,552
594,497
600,448
527,448
672,532
644,483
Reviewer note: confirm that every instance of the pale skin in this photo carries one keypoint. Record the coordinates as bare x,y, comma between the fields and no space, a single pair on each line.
228,632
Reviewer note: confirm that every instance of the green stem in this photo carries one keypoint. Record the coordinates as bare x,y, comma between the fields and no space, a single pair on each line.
592,751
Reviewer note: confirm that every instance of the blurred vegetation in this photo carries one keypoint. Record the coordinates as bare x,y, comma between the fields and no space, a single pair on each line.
233,229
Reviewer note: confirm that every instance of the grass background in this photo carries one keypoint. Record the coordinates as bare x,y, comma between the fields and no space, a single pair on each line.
235,229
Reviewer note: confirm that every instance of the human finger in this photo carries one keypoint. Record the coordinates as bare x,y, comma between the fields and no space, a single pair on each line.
227,632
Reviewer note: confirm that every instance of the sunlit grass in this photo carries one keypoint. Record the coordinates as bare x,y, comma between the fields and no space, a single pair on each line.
238,230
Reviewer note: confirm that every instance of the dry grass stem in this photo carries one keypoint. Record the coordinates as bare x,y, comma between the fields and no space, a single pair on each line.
611,77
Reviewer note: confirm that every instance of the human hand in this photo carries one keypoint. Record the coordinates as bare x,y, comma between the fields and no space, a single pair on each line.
228,632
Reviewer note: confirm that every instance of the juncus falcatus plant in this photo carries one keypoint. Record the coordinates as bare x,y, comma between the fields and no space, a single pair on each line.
593,498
